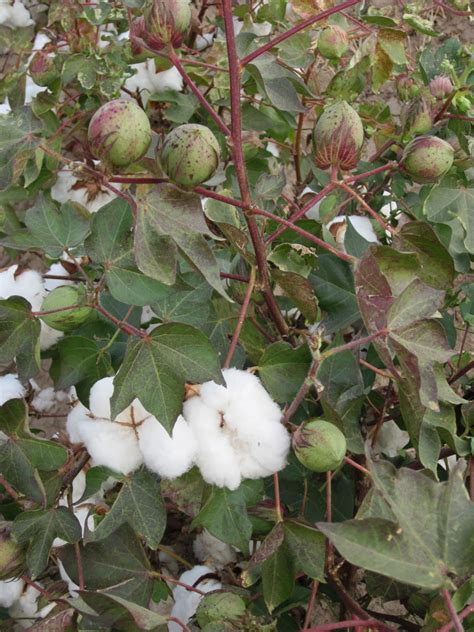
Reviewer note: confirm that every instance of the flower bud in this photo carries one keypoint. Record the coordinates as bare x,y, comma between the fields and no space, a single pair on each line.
166,22
406,87
417,117
338,137
441,86
219,607
427,159
12,561
319,445
119,133
42,69
190,154
66,296
333,42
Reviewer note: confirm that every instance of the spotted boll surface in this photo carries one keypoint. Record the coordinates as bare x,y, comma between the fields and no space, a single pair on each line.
166,22
338,137
119,133
427,159
190,154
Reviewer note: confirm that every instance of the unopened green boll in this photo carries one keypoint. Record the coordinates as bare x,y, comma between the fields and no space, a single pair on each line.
427,158
166,22
12,562
63,297
119,133
190,155
338,137
319,445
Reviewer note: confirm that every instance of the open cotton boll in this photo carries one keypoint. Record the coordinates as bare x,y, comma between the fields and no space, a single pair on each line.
168,456
186,602
204,41
47,399
113,443
25,609
10,591
148,81
313,212
14,15
10,388
362,225
211,550
63,191
238,429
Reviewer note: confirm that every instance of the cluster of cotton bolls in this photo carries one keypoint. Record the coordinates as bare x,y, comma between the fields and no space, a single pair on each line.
230,432
22,602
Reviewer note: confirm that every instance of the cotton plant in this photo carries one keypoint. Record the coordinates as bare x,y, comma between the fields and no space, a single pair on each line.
213,552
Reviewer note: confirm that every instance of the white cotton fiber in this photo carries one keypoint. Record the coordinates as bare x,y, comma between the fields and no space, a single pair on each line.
186,602
10,591
14,15
47,399
57,269
10,388
148,81
62,191
238,429
25,609
168,456
212,551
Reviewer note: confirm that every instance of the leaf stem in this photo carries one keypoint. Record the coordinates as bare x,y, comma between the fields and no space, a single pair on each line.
197,93
390,166
276,485
456,621
125,327
296,29
241,319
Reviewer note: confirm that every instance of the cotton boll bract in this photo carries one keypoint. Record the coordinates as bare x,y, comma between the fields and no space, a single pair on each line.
238,429
10,388
186,601
168,456
209,549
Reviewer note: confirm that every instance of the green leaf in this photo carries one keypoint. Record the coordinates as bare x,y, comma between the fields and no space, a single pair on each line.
139,504
333,285
155,369
276,82
420,24
78,358
300,291
110,563
278,577
185,303
39,528
283,369
110,233
343,395
42,454
172,214
444,204
185,491
53,229
20,473
392,42
416,302
113,608
307,547
17,144
293,258
224,514
432,535
19,336
436,264
14,417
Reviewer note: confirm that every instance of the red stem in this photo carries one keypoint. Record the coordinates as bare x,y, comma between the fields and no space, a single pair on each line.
130,330
312,601
296,29
461,616
197,93
455,620
303,210
364,205
357,466
354,343
239,163
240,322
367,174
